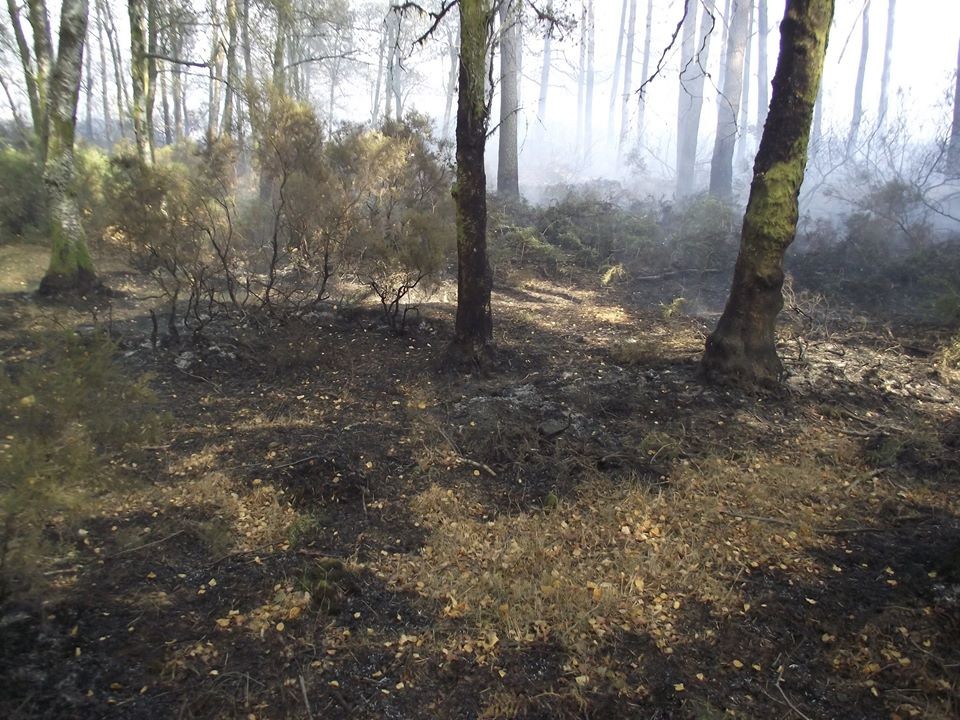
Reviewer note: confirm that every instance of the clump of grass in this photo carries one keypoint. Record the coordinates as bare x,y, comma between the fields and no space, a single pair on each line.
62,411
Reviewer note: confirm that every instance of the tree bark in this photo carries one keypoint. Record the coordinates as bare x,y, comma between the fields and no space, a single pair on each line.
858,89
71,268
43,59
453,41
545,71
743,346
29,69
508,182
721,168
582,80
123,99
137,9
686,154
104,93
887,56
763,80
953,148
233,68
615,83
645,72
628,78
472,343
743,141
697,74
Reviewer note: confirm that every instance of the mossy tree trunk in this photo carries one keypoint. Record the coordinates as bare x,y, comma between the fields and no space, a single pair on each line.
743,346
473,335
508,182
140,75
71,268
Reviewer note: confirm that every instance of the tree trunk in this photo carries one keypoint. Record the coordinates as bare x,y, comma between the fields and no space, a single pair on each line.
453,40
721,76
137,10
817,135
581,80
628,77
71,268
123,100
763,81
887,53
953,148
233,70
615,84
165,106
591,78
381,61
216,73
29,70
858,89
743,141
179,108
686,154
721,168
473,335
104,94
698,71
545,71
743,346
641,101
508,183
43,58
88,94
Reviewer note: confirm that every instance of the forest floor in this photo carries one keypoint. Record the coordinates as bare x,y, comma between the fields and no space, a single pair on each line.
331,528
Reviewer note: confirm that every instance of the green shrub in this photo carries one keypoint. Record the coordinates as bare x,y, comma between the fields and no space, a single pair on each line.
22,200
61,413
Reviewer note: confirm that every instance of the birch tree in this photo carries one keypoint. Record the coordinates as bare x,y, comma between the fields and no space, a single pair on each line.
861,73
691,99
743,345
71,268
887,57
508,183
763,81
628,76
728,105
953,147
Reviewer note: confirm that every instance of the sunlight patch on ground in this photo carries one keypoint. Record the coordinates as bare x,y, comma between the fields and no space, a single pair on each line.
21,267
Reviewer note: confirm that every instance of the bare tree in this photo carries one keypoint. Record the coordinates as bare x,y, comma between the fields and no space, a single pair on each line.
861,72
628,76
545,70
887,57
743,345
763,81
953,148
721,168
615,83
686,156
508,183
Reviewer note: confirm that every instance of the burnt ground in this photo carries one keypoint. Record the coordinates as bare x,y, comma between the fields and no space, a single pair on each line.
332,528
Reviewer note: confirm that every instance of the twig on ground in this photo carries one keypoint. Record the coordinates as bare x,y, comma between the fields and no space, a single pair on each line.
306,700
788,700
145,545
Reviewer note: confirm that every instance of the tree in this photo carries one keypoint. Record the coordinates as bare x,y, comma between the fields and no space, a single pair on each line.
763,82
645,72
887,53
545,69
472,341
686,159
139,71
615,84
744,136
721,168
508,183
71,268
953,149
861,72
690,124
628,75
743,345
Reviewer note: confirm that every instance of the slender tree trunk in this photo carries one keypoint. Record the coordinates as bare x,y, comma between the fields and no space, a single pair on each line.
645,72
104,87
29,69
582,80
698,74
137,10
179,109
721,76
473,335
743,141
508,183
233,70
381,61
858,89
165,107
25,134
153,48
953,148
743,346
43,58
615,84
817,137
71,268
453,40
887,54
686,155
627,78
763,81
216,72
545,71
88,87
721,168
123,100
591,79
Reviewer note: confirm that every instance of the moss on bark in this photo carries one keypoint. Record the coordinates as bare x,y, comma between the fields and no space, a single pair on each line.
743,346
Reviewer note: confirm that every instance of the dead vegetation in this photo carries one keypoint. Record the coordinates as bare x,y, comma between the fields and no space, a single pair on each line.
328,527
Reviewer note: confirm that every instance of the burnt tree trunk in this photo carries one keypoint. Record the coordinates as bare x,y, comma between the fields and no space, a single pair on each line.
473,335
743,346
